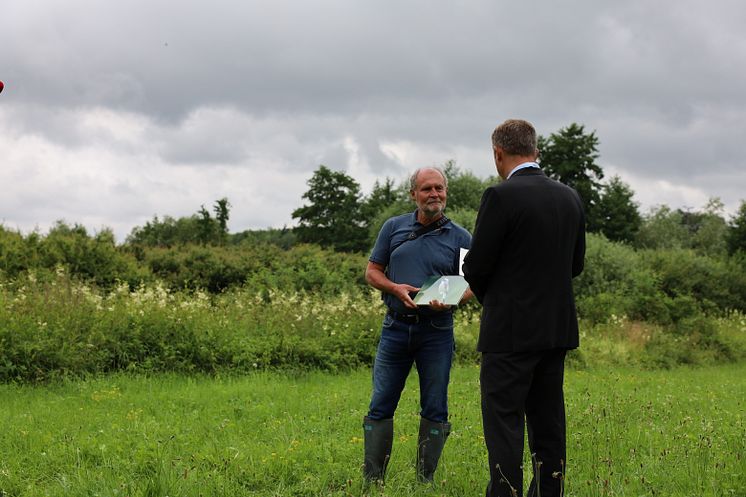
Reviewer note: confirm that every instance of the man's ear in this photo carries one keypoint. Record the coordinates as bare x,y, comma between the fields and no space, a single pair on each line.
497,153
411,194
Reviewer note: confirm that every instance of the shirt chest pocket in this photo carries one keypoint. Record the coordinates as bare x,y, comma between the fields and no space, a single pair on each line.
443,256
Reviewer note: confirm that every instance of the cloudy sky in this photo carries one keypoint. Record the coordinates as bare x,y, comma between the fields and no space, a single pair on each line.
114,112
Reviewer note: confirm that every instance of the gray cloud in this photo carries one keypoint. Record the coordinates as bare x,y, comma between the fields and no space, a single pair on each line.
115,112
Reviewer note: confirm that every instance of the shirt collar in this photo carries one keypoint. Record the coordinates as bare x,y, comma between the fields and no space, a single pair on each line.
525,165
416,222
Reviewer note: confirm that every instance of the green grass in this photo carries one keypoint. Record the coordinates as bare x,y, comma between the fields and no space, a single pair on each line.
630,433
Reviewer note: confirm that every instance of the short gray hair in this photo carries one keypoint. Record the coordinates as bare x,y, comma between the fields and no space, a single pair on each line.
516,137
413,178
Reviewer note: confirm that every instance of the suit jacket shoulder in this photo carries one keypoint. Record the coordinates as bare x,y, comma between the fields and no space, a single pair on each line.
528,243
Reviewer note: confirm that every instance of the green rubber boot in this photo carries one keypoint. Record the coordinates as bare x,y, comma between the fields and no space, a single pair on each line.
430,444
379,437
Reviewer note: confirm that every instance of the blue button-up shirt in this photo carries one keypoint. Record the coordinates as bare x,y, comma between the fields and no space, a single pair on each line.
413,261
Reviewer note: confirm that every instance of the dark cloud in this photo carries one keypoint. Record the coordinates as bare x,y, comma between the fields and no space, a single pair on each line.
164,107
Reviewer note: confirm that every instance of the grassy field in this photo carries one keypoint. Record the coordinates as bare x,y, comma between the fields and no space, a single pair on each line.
631,433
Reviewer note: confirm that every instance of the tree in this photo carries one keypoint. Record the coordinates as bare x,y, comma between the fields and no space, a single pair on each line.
213,230
464,188
382,196
205,226
199,228
704,231
164,233
736,236
569,156
384,201
222,214
618,217
283,237
662,228
333,216
708,229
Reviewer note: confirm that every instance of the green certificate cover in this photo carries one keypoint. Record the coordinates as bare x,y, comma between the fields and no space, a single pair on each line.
444,289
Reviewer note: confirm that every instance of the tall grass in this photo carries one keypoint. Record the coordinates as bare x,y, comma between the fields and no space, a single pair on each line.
54,326
60,326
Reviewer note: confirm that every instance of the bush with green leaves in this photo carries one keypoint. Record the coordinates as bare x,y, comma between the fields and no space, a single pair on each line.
716,284
662,286
98,260
18,253
615,282
93,258
53,326
57,326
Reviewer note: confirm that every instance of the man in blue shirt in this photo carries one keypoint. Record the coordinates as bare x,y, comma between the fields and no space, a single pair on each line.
409,249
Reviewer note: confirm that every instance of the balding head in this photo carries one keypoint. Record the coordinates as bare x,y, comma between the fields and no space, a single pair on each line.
416,173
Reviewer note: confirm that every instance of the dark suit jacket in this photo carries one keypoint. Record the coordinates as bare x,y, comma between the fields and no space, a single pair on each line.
528,244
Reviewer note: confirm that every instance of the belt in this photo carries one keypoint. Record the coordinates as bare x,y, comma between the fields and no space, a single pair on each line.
405,318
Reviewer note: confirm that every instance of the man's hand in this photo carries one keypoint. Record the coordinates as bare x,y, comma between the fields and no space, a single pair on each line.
437,306
468,295
401,291
376,277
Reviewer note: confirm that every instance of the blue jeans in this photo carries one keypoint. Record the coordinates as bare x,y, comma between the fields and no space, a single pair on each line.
429,344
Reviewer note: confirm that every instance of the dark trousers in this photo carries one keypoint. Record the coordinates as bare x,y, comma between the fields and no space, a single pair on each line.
519,389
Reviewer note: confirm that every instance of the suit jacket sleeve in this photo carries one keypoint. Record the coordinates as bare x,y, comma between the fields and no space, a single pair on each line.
578,259
489,232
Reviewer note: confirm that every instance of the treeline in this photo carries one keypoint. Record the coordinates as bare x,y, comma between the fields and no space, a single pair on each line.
96,259
694,244
336,215
660,288
337,226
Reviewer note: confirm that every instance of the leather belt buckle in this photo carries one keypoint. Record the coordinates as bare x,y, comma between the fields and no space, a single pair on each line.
405,318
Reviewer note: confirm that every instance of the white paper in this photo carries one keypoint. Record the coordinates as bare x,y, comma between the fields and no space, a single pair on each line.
461,256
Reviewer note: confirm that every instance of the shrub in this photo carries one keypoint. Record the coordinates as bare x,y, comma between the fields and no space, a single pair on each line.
96,258
303,268
58,326
17,254
54,326
615,282
715,283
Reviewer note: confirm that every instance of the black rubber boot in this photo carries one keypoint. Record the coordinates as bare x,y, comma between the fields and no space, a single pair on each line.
430,444
379,437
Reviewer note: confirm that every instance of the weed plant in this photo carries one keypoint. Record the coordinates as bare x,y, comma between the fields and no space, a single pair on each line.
60,326
54,326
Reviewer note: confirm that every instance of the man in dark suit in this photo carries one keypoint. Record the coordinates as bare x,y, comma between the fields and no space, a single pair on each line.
528,244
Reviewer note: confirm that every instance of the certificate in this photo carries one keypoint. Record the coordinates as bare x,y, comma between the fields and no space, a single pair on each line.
445,289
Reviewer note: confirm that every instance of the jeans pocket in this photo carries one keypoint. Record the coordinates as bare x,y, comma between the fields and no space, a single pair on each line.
388,321
443,323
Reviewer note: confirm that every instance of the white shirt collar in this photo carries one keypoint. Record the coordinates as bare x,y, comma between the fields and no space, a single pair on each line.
522,166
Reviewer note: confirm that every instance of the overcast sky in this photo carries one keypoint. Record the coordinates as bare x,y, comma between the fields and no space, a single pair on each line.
115,111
